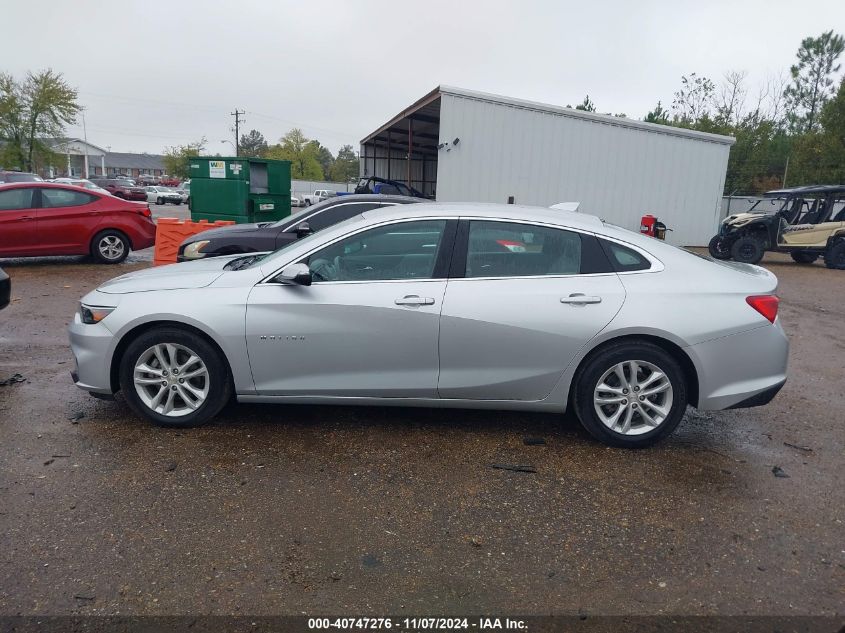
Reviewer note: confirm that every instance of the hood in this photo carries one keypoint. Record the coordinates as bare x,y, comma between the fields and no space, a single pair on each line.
738,219
196,274
222,231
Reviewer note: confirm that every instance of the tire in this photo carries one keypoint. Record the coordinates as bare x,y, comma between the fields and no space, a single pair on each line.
110,247
834,257
158,344
804,257
178,202
718,249
599,369
307,202
159,201
748,250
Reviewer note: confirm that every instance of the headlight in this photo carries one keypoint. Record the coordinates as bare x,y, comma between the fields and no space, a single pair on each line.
93,314
194,249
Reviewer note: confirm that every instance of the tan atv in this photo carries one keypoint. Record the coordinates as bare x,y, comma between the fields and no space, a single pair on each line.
809,224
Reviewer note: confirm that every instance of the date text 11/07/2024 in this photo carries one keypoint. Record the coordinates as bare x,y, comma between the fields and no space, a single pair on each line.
417,624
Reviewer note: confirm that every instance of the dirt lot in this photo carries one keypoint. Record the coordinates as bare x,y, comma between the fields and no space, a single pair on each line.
325,510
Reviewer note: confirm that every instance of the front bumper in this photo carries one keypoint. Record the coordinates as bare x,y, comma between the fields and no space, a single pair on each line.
91,346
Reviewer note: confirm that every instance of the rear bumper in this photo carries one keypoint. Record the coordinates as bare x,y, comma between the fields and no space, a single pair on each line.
741,370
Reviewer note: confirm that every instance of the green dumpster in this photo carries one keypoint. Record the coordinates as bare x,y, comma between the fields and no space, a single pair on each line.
239,189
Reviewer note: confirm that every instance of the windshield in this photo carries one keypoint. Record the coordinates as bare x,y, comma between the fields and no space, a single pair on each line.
293,218
768,205
297,243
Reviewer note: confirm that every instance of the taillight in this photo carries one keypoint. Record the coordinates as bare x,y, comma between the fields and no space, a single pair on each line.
146,212
767,305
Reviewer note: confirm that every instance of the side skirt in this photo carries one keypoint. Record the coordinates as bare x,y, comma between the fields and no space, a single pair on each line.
437,403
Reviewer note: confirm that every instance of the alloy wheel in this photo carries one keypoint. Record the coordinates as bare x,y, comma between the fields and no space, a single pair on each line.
633,397
171,379
111,247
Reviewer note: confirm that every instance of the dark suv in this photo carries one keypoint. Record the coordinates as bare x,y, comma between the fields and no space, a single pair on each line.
122,188
17,176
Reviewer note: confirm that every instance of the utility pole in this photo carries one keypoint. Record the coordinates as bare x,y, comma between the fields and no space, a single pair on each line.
237,114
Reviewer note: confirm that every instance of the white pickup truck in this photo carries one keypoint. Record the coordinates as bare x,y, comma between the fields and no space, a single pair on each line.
318,196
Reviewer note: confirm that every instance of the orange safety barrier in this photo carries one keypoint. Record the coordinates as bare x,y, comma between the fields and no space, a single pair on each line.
170,232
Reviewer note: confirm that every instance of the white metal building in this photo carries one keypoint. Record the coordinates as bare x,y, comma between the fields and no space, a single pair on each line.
462,145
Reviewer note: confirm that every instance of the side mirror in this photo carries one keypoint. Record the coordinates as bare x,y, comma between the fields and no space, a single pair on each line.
302,230
296,274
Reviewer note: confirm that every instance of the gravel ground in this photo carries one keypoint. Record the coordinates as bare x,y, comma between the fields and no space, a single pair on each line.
295,509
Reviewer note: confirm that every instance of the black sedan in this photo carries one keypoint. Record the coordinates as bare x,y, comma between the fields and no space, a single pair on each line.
5,289
269,236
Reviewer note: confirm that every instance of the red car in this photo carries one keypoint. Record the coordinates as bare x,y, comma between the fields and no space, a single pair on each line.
41,218
122,188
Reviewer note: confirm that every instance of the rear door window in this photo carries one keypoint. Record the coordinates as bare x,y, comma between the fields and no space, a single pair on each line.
53,198
510,249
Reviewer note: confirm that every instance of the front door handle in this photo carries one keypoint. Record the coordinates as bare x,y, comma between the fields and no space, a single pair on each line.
25,218
579,299
414,300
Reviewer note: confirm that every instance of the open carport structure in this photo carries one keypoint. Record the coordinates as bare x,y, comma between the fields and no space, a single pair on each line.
461,145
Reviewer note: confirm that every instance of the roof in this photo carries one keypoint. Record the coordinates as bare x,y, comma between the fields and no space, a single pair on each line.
428,102
490,210
61,141
126,160
777,193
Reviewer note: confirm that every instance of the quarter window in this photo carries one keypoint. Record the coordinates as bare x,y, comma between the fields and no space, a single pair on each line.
51,198
14,199
625,259
510,249
406,250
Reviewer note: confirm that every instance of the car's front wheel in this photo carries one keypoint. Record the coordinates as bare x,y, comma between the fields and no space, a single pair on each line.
159,201
631,394
748,250
719,248
174,377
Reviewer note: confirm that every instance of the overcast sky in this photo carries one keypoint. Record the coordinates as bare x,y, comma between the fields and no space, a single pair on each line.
152,74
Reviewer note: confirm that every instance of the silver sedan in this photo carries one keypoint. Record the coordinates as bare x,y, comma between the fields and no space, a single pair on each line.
443,305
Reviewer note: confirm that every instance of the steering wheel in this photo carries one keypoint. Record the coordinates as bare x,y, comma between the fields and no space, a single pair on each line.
323,270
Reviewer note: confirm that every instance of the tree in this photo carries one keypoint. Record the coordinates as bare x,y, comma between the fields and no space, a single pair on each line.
658,115
693,101
32,114
819,157
252,145
177,158
586,105
730,100
345,167
324,157
812,81
296,148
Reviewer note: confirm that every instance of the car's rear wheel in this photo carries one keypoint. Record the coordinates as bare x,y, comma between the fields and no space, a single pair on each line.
630,395
110,247
719,248
748,250
804,257
174,377
834,257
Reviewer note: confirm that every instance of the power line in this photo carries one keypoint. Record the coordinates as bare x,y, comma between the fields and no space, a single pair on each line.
237,114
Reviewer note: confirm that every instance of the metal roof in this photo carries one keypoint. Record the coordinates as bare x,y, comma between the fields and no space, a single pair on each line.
125,160
805,189
427,109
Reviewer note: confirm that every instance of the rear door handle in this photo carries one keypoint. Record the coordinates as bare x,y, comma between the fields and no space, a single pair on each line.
579,299
414,300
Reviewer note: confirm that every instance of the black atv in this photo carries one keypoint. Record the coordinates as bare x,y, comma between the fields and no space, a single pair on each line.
809,223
